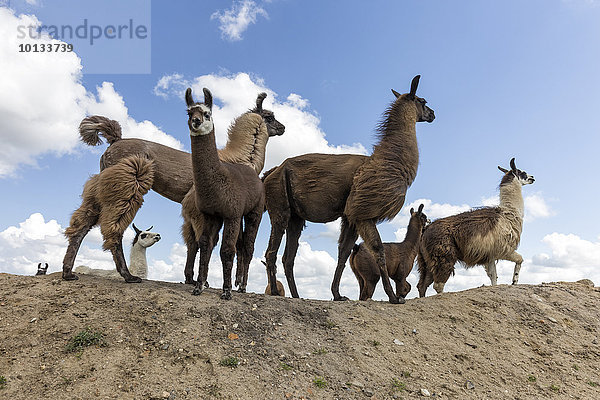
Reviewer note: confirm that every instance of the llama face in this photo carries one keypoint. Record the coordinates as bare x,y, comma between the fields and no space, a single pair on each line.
199,114
424,113
147,239
514,173
274,127
199,120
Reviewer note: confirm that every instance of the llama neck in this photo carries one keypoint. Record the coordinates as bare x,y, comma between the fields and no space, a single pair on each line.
398,145
205,162
138,265
246,142
511,198
413,233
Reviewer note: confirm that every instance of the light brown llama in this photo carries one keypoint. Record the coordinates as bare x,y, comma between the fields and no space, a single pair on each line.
362,190
399,258
280,289
226,195
171,176
477,237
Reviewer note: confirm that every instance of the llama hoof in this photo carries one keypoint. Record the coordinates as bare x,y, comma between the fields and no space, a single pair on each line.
241,290
206,284
341,298
133,279
399,300
70,277
197,291
190,281
226,295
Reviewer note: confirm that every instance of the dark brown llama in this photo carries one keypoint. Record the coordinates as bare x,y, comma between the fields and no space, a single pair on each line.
226,195
477,237
42,269
171,175
399,258
363,191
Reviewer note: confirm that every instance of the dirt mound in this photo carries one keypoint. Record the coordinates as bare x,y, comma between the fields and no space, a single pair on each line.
155,340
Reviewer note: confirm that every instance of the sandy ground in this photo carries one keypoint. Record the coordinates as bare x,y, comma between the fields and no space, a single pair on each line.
160,342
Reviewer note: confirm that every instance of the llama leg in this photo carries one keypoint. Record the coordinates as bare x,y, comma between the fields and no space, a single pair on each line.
292,236
211,226
119,259
370,286
231,230
278,226
348,236
368,231
518,260
490,269
239,270
252,223
425,279
403,288
80,225
192,249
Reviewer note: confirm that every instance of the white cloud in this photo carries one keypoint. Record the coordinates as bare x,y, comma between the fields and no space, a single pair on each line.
536,207
42,101
234,22
235,94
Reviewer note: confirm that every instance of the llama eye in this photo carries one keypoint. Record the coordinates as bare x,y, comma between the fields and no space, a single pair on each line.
207,115
143,236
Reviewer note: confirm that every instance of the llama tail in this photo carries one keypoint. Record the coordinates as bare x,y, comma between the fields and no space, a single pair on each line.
121,190
353,254
92,127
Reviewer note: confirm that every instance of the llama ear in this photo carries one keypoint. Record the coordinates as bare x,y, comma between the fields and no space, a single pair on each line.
413,86
259,100
46,265
39,265
396,93
149,229
502,169
208,98
412,211
135,228
421,208
512,165
189,100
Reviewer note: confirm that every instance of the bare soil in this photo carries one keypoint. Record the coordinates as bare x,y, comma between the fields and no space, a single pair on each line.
160,342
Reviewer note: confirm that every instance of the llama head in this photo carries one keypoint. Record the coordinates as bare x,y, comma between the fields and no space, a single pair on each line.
145,238
514,173
199,114
424,113
274,127
417,217
42,269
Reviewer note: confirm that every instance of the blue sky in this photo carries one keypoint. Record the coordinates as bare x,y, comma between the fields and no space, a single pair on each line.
506,79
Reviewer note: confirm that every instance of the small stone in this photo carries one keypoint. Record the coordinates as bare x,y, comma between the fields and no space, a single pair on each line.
368,392
33,320
425,392
552,320
184,331
357,384
235,326
254,307
165,346
469,385
595,341
399,343
166,395
180,350
414,331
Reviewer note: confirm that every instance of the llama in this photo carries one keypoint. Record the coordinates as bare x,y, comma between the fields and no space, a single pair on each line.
362,190
477,237
42,269
131,167
138,264
399,258
226,195
280,289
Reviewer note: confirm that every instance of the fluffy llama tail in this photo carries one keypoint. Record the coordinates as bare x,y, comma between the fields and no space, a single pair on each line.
91,127
120,192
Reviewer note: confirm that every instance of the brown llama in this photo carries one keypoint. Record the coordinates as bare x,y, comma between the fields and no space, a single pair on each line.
399,258
280,289
171,173
226,195
477,237
42,269
362,190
